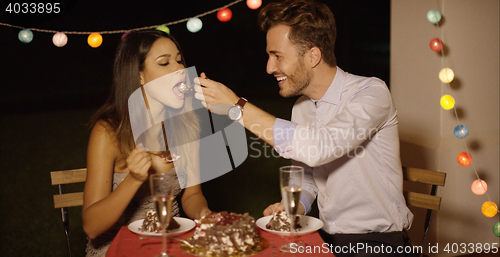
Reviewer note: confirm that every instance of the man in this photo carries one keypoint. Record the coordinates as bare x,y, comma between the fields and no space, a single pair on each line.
343,130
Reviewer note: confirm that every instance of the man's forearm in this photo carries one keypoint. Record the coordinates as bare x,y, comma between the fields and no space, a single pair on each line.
259,123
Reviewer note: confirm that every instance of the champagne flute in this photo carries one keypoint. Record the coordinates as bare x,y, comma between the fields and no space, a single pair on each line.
162,191
291,178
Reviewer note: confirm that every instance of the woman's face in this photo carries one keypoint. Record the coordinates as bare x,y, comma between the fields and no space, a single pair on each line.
164,58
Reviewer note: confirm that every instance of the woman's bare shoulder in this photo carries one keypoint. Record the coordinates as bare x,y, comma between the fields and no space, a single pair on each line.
102,137
102,126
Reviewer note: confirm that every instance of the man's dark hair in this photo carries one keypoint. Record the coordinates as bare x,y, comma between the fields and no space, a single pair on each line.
311,24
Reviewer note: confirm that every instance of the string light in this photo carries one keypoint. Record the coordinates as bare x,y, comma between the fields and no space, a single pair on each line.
479,187
224,15
446,75
164,29
436,45
254,4
94,40
496,229
27,34
461,131
447,102
194,25
434,16
464,159
59,39
489,209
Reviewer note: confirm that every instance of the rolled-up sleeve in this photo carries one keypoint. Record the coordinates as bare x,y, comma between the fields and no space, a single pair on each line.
309,189
283,131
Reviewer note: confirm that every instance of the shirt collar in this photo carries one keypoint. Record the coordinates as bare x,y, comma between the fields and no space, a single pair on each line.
334,91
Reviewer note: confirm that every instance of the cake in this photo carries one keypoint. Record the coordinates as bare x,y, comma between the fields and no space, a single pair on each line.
281,222
226,233
152,225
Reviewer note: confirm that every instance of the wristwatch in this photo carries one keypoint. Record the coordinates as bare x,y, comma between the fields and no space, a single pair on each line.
235,112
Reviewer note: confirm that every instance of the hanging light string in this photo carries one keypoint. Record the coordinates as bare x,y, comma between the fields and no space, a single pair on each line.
472,162
123,31
443,60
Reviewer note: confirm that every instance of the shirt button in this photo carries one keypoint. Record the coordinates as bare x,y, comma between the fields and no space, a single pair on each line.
326,200
320,119
333,223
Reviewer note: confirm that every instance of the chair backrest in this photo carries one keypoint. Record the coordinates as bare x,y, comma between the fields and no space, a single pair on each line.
64,177
429,177
431,202
64,200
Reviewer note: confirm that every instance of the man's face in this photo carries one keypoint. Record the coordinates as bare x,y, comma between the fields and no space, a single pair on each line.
285,63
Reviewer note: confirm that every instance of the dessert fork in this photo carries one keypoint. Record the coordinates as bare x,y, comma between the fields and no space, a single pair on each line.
171,237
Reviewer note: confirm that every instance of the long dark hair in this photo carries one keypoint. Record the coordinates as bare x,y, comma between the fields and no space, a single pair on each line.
129,60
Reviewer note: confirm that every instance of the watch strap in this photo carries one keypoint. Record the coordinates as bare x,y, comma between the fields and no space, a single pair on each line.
241,102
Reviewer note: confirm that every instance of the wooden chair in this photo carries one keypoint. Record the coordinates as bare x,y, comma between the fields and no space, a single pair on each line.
64,200
431,202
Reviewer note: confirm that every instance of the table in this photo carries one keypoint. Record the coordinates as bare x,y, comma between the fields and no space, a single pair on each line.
127,243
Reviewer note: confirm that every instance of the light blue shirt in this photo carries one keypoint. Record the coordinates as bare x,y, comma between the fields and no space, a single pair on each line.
348,144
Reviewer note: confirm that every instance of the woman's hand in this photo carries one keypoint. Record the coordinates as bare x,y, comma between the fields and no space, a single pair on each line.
138,163
205,212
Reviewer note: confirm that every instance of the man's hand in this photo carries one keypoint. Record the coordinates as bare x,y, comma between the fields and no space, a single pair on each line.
213,95
273,208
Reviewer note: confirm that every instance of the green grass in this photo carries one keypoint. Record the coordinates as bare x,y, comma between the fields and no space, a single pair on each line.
32,146
36,143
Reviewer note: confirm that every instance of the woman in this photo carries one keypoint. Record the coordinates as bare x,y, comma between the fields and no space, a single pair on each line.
115,193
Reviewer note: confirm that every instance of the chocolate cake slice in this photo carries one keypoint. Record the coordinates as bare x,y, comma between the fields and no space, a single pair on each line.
152,225
281,222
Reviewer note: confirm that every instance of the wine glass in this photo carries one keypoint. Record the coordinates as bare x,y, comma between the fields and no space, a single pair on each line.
291,178
162,192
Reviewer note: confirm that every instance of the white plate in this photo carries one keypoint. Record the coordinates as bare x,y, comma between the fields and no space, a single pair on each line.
186,225
309,225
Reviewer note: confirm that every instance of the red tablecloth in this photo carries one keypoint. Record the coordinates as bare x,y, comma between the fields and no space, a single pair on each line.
127,243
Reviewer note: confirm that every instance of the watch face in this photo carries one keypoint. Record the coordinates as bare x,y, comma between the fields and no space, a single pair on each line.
234,113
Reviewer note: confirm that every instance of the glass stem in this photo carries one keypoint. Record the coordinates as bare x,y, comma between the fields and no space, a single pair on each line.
164,243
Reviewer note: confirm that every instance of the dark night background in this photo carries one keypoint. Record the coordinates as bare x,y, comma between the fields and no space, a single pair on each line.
48,95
